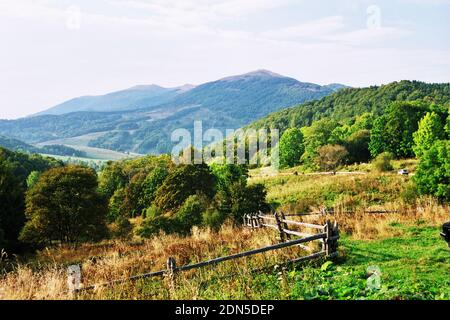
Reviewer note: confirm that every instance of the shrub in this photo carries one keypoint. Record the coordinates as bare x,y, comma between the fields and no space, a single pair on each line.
190,214
213,219
330,157
382,163
122,228
153,226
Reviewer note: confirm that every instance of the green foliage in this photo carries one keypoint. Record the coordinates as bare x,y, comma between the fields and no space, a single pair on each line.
65,206
154,225
433,172
213,218
382,163
351,102
430,130
11,205
185,181
357,145
61,150
112,178
243,199
330,157
122,228
291,147
116,206
315,136
15,168
393,132
33,177
151,183
190,214
227,174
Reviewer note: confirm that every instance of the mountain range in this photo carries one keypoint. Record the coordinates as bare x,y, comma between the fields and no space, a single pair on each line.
141,119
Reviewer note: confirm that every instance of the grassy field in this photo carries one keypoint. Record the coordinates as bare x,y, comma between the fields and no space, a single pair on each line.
404,246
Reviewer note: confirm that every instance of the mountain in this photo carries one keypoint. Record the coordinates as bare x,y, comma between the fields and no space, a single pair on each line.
348,103
228,103
132,98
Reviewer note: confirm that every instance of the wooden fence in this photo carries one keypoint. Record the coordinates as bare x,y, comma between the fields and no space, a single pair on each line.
327,234
278,222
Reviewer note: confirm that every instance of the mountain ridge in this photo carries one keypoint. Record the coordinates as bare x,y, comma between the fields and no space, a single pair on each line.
146,126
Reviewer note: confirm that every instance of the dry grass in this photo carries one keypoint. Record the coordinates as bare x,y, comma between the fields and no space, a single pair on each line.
45,276
304,193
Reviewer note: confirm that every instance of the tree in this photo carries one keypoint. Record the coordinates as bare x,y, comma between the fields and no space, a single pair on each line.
228,174
430,130
33,177
433,171
117,206
151,184
190,214
291,147
358,146
315,136
183,182
393,132
64,205
11,205
329,157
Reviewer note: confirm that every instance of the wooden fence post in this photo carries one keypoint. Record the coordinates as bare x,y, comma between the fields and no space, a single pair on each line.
285,225
280,227
328,232
74,278
171,269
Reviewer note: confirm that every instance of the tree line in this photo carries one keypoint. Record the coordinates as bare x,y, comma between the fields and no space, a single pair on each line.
406,129
44,201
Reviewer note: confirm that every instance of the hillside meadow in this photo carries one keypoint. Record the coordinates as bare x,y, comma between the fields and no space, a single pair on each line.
404,245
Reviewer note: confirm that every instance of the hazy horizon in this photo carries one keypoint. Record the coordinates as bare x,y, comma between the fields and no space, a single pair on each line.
59,50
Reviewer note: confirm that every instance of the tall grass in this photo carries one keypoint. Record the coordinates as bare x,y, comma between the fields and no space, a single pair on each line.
44,277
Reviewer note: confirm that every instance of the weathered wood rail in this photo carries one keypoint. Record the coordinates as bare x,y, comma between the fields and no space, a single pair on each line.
281,224
327,234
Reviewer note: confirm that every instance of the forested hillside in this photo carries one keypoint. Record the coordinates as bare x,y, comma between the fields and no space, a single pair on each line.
348,103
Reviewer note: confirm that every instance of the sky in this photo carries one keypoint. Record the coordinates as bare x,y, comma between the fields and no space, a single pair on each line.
55,50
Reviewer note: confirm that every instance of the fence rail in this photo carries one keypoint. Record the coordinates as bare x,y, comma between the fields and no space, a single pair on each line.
328,236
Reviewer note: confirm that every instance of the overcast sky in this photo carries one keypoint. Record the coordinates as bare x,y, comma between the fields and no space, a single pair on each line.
51,51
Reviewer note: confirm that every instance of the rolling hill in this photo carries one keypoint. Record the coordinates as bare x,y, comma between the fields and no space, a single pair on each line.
228,103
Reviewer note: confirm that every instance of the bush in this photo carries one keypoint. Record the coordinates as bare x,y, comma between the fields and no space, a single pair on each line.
213,219
330,157
190,214
153,226
185,181
64,205
382,163
409,194
122,228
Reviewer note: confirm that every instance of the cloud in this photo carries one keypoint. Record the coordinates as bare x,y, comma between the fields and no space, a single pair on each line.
318,28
